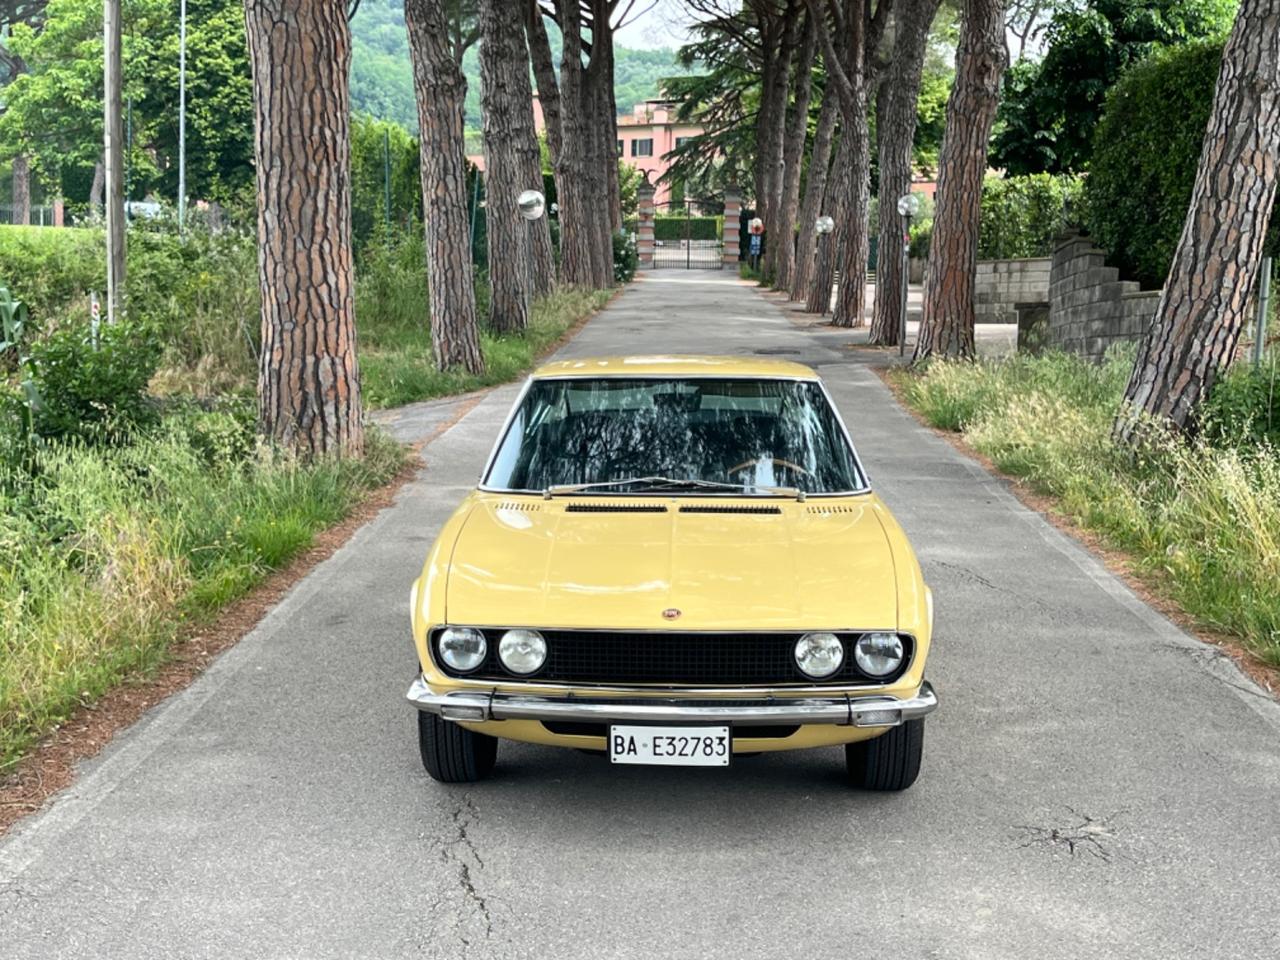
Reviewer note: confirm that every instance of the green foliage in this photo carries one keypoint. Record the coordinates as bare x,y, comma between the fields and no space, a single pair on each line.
1244,406
106,552
1202,518
93,387
677,227
1146,155
400,368
53,112
1050,108
382,77
379,147
626,259
1022,216
936,78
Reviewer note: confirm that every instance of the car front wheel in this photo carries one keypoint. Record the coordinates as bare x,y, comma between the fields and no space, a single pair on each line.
454,754
890,761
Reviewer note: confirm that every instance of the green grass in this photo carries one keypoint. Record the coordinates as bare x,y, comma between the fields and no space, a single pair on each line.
1201,518
396,365
107,552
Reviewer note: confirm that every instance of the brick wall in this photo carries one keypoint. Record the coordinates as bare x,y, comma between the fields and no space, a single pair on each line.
1090,307
1000,284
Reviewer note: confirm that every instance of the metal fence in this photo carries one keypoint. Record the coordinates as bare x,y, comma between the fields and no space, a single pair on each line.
41,216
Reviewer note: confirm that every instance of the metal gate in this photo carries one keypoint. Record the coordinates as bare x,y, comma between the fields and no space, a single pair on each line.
688,235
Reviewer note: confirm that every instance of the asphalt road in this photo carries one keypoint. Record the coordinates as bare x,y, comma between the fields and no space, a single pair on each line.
1096,783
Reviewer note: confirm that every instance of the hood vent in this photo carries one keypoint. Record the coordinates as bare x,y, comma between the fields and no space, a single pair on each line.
518,505
728,508
833,508
615,508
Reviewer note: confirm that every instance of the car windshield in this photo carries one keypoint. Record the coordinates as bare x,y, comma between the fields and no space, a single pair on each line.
703,435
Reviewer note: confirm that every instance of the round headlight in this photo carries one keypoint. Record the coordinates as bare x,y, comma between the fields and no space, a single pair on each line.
878,654
462,648
522,651
819,655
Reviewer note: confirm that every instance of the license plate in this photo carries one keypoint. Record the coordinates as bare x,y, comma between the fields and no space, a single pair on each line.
670,746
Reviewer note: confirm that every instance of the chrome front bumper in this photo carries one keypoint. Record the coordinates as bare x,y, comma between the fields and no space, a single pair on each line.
841,709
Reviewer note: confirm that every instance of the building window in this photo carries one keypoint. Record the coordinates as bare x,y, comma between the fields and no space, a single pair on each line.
681,141
619,148
642,148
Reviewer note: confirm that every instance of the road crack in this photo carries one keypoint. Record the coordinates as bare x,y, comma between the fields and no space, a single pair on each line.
1085,836
460,852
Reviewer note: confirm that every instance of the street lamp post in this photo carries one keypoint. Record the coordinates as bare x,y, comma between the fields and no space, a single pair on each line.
182,115
823,226
908,207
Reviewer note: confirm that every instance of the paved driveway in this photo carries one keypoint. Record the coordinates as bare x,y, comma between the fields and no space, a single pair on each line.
1096,784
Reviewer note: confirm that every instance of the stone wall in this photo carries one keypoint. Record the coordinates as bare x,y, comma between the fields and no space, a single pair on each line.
1090,307
1002,283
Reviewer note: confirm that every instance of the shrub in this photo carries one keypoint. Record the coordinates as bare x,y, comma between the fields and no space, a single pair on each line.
1244,406
625,257
679,227
1022,216
87,385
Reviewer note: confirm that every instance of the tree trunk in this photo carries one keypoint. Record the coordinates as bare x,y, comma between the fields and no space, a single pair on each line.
784,251
853,228
896,130
504,98
780,41
308,379
815,188
21,190
947,328
97,186
1206,298
824,264
544,71
440,89
581,178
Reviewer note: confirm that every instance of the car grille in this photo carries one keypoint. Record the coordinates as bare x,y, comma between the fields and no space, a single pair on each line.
617,657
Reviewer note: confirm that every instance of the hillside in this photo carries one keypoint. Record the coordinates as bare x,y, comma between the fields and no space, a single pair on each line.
382,80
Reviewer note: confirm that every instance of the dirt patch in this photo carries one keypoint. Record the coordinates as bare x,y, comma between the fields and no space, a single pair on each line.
1147,585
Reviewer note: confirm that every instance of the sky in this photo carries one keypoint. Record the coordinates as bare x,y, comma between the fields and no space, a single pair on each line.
661,26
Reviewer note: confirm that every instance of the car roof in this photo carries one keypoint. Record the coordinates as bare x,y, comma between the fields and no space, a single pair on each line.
676,365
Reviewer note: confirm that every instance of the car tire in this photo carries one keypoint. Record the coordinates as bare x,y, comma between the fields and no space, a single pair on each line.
452,753
890,761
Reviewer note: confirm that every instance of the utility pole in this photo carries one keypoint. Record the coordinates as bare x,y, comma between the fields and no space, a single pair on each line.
113,151
182,115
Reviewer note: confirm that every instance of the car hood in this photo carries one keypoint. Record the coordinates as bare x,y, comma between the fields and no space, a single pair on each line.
607,565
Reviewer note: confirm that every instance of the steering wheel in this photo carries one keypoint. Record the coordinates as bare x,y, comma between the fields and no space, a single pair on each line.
785,463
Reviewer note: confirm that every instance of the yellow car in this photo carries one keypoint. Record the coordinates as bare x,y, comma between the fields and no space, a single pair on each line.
673,561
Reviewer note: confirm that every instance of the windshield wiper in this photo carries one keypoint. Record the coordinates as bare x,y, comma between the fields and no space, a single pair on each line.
668,483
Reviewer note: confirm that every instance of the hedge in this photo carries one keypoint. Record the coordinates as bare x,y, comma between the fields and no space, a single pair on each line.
1146,156
698,228
1023,216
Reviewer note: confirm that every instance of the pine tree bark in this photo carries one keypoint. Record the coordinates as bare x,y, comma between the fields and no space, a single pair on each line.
853,228
947,328
896,103
21,190
503,66
836,202
586,253
308,378
814,190
544,71
1205,301
440,90
779,30
784,250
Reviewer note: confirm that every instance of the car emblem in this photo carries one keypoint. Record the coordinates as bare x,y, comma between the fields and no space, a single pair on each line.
671,613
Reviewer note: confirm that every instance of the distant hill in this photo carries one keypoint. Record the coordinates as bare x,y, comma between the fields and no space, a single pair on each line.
382,80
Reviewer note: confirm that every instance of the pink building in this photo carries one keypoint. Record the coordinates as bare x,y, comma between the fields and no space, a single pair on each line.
644,139
648,135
